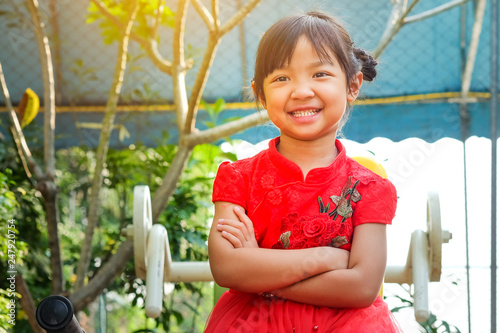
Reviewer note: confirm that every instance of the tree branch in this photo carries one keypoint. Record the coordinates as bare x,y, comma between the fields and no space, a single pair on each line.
27,303
19,138
239,16
169,182
103,278
204,14
213,42
394,24
215,14
434,11
54,23
179,66
102,149
225,130
199,84
156,25
474,43
46,184
48,87
151,46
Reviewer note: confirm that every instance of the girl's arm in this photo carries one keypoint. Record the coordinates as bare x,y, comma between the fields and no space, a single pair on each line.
357,286
252,269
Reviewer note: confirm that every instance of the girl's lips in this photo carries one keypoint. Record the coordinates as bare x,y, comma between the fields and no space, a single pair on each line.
304,113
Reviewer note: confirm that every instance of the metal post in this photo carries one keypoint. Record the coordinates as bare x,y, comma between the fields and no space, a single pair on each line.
494,135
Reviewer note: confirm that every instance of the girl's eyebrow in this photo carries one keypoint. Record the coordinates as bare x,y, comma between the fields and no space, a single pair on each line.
312,65
320,63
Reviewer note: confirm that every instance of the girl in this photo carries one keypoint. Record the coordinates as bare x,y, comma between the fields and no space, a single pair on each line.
302,194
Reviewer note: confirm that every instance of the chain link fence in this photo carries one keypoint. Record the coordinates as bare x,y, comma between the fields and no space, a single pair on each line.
424,57
423,64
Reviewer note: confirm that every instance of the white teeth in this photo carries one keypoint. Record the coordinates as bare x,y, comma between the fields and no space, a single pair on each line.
304,113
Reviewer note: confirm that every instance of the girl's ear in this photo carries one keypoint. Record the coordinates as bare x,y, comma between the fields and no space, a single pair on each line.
261,100
354,87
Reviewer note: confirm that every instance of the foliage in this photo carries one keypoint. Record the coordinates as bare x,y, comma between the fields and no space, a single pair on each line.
433,324
148,9
8,207
20,202
186,219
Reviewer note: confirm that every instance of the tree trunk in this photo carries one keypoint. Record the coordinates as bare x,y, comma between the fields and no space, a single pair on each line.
102,150
47,185
27,303
83,296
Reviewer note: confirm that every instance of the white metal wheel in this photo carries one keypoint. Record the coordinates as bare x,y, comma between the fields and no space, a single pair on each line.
142,220
435,234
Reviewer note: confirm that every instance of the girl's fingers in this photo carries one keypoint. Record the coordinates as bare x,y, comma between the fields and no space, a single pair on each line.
232,239
231,230
235,225
240,212
239,232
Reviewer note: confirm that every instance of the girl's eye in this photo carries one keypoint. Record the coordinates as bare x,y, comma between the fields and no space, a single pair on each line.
281,79
320,74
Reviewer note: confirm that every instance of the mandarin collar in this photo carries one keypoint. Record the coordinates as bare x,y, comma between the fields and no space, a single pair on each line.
293,172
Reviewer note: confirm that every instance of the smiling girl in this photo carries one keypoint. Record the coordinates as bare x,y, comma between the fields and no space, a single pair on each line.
299,232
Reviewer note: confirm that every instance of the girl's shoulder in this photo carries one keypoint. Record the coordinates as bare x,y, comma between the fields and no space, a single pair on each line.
243,166
371,181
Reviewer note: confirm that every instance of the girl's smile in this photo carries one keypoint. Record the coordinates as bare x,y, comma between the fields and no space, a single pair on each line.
305,115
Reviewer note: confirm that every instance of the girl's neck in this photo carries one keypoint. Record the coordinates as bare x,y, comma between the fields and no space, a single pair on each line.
308,155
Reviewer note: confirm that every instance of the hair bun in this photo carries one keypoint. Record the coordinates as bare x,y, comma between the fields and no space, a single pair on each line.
368,64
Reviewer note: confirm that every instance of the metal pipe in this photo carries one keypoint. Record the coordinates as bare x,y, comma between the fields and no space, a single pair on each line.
465,128
494,135
156,263
190,271
398,274
420,274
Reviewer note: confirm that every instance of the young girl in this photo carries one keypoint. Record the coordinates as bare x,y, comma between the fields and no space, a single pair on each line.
299,232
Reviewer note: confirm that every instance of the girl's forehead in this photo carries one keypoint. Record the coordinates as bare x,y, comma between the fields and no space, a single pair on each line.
305,48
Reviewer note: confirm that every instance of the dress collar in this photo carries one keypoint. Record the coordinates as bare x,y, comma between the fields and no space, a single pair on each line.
292,171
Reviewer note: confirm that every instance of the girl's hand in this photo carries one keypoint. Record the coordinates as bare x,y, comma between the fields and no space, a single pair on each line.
239,232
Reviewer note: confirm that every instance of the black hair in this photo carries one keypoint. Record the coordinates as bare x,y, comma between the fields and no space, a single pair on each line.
327,37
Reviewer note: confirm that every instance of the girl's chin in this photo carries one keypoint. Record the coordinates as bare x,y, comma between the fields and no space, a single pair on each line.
310,135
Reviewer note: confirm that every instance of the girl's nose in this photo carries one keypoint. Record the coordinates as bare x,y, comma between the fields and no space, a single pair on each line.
302,91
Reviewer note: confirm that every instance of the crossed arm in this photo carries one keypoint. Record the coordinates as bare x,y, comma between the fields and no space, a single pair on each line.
323,276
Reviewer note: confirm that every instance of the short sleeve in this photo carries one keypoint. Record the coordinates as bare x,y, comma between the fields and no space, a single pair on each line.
378,203
230,185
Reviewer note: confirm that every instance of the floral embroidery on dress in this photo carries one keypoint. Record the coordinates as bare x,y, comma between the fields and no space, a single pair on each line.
323,229
267,181
274,197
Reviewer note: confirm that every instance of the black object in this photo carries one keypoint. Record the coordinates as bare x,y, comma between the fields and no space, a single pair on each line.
55,315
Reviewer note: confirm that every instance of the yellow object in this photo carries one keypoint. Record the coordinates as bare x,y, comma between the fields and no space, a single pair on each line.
28,107
376,167
371,164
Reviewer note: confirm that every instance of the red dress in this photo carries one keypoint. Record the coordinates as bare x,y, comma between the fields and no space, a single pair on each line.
320,210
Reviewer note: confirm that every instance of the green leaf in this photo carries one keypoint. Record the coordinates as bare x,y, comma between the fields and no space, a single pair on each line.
219,105
210,110
178,316
398,308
